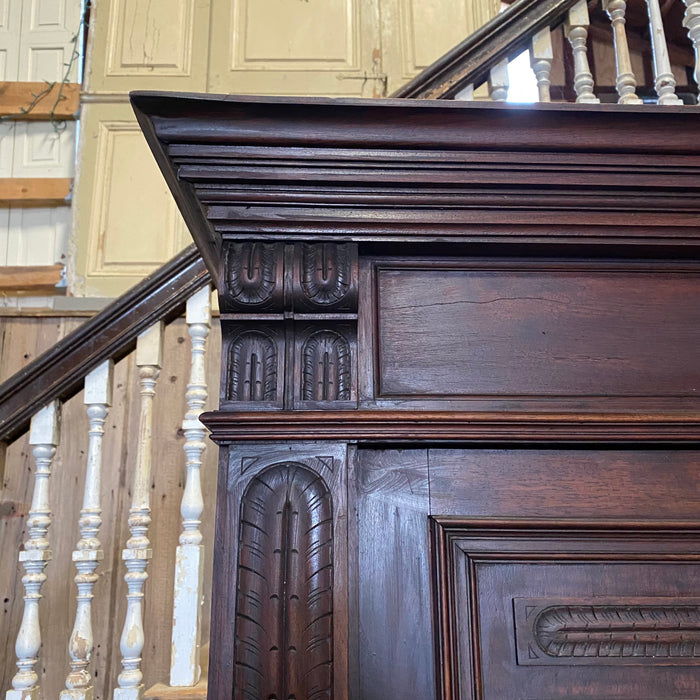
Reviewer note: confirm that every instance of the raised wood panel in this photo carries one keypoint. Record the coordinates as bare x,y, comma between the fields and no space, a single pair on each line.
10,19
303,36
38,236
620,606
127,222
7,141
48,28
274,46
564,331
157,45
41,151
147,39
559,483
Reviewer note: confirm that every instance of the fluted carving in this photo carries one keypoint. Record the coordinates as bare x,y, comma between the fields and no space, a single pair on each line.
327,275
326,367
252,368
611,631
252,275
284,597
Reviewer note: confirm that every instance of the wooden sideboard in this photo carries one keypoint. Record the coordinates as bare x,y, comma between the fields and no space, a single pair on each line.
459,419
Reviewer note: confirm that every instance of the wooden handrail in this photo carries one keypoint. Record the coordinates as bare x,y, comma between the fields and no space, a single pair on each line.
59,372
470,61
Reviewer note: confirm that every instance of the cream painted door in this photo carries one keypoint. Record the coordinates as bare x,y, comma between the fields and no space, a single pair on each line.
296,47
125,222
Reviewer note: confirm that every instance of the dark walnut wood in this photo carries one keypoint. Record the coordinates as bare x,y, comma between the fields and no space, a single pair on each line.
284,622
460,411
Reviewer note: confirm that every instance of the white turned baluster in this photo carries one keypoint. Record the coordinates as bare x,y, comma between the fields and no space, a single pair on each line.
189,560
44,436
691,21
626,82
138,552
88,552
576,28
498,82
664,82
466,94
541,57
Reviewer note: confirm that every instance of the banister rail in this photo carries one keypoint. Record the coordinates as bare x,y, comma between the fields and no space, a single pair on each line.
59,372
470,61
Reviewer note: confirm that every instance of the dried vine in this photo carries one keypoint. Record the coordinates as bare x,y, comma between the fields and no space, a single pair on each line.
59,125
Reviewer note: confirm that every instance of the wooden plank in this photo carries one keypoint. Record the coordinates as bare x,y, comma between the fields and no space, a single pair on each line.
35,191
37,279
160,691
39,101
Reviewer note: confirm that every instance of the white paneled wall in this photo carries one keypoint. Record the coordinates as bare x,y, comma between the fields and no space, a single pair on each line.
36,45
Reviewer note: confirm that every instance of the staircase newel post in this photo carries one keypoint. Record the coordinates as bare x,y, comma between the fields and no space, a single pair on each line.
138,551
88,552
44,437
189,561
625,82
576,29
691,21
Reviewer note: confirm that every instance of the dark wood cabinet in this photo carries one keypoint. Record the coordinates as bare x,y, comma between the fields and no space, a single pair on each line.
459,418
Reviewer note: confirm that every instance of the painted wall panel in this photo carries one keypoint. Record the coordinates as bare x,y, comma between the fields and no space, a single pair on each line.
161,44
295,48
38,236
126,221
145,40
42,151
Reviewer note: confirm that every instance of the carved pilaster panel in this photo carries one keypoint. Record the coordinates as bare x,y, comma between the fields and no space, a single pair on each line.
253,371
252,278
284,599
325,277
325,365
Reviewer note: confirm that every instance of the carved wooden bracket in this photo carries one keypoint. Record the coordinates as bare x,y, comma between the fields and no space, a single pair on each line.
289,317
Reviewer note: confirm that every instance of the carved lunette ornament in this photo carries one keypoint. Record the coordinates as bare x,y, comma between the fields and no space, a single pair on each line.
326,362
252,276
612,633
327,277
252,368
284,594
